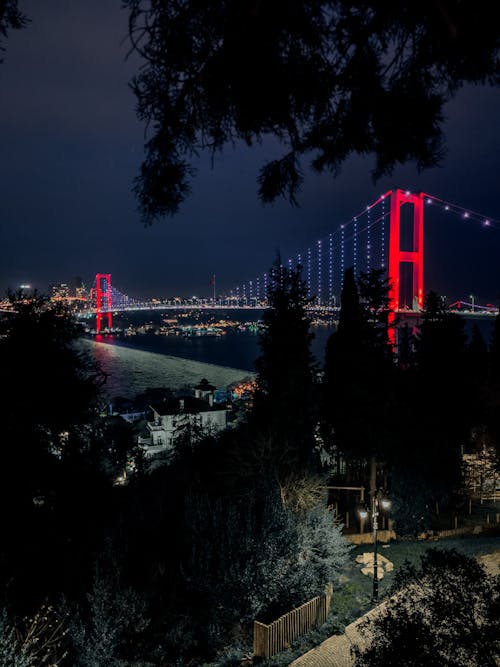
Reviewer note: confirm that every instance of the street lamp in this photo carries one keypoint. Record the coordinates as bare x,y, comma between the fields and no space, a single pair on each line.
378,501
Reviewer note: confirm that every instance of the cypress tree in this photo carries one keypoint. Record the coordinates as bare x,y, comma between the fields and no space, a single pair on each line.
284,402
359,373
443,406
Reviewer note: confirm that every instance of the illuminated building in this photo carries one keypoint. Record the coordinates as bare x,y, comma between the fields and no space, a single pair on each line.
172,417
78,290
59,292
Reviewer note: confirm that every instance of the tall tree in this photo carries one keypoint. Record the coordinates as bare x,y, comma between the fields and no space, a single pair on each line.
284,402
374,297
53,499
53,387
441,405
359,371
326,79
441,341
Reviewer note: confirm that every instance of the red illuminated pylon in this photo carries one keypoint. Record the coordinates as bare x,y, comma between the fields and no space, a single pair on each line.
397,257
415,256
100,296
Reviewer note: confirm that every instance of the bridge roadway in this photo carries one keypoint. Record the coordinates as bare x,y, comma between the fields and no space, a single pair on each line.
479,314
139,307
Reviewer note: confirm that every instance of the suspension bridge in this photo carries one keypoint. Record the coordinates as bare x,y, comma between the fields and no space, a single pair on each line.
387,234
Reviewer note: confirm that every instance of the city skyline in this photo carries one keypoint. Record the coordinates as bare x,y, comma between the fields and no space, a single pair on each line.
72,146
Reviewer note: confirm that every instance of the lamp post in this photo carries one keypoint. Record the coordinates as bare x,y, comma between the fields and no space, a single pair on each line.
377,502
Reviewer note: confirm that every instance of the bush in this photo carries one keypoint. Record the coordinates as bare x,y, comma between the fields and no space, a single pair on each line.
112,619
253,558
38,643
446,615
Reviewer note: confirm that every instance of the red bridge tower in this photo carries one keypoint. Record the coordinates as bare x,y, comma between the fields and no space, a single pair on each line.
411,258
103,300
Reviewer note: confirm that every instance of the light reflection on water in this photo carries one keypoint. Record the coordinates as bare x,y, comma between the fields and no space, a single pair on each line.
131,371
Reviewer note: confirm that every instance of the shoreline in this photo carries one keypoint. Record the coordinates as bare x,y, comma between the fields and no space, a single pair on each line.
131,370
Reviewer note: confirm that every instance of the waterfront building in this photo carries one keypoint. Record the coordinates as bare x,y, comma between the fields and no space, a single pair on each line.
172,417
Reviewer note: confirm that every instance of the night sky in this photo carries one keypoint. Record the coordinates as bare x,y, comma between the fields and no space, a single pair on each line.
71,146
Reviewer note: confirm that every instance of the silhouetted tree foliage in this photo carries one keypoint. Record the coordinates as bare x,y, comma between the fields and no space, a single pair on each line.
445,614
252,557
53,387
119,447
106,627
208,557
405,347
495,354
412,499
415,415
284,402
326,79
34,641
11,18
443,395
54,493
477,371
12,651
477,356
359,370
442,406
493,386
441,340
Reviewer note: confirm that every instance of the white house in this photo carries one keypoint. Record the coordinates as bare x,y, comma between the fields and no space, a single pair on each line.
173,415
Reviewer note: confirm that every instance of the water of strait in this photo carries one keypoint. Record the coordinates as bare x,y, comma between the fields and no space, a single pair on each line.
137,362
134,363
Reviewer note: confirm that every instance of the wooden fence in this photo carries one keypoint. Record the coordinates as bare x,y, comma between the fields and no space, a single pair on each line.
278,635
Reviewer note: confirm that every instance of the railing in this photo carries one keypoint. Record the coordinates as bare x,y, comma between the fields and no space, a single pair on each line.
155,427
278,635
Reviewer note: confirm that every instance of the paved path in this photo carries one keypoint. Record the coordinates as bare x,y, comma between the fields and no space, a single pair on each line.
336,650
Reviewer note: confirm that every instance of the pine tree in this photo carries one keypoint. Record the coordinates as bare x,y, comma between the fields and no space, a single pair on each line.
374,297
359,371
284,403
442,406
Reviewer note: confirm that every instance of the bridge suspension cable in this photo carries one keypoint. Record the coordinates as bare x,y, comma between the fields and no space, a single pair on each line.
463,213
364,242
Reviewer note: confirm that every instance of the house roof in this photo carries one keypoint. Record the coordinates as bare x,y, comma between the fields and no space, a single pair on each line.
192,406
204,385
